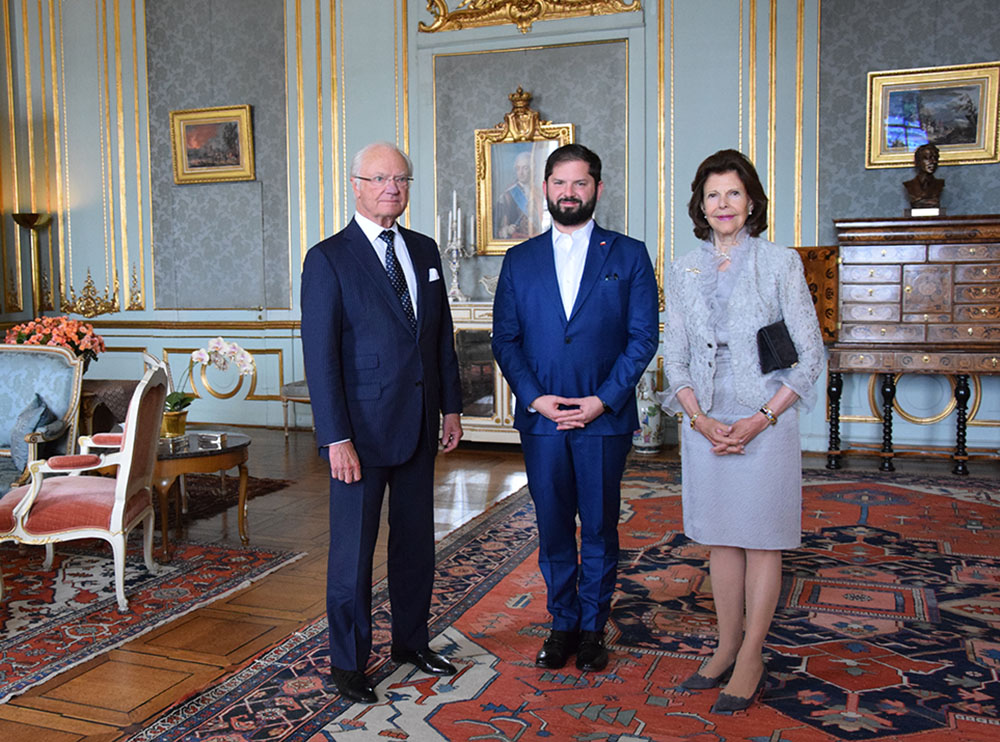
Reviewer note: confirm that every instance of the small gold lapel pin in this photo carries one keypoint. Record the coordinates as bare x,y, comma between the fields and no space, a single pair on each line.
692,270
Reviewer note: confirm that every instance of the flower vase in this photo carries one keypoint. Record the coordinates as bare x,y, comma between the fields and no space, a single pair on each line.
649,437
174,424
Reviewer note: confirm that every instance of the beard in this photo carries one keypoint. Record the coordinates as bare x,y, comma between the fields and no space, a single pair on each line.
573,211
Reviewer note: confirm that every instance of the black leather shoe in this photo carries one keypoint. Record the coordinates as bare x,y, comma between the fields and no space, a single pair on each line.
353,685
727,704
591,656
426,659
556,649
697,681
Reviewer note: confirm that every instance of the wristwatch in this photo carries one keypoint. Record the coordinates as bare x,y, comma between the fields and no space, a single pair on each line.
607,407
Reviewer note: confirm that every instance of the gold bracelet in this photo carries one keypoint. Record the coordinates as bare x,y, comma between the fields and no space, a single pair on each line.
766,411
694,417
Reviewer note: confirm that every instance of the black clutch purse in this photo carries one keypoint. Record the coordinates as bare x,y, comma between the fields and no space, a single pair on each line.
775,347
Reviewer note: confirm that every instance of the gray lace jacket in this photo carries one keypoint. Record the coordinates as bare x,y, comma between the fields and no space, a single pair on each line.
770,287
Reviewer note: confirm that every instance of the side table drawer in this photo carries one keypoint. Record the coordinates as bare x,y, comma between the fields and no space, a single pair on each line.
881,333
883,253
949,253
977,313
978,293
871,274
870,313
977,273
963,334
880,293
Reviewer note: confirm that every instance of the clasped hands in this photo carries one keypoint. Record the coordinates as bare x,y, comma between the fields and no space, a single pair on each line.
730,439
569,412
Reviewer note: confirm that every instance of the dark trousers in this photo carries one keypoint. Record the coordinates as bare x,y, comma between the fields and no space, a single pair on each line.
354,524
572,474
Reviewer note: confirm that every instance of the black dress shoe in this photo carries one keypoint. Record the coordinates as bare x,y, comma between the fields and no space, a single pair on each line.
697,681
353,685
556,649
727,704
591,656
426,659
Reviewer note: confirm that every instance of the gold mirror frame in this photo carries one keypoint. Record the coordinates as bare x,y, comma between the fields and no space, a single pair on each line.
522,125
881,85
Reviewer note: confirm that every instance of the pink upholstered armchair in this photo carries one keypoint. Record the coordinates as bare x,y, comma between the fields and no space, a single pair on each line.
59,505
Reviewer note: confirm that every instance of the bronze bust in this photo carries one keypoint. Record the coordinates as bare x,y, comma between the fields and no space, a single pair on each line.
924,191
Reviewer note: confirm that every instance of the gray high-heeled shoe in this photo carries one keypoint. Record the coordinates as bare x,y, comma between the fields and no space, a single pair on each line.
727,704
697,681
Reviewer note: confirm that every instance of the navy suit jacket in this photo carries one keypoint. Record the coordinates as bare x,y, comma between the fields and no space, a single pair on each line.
371,379
604,346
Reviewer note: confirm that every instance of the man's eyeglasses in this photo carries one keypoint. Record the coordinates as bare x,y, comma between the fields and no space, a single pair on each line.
381,181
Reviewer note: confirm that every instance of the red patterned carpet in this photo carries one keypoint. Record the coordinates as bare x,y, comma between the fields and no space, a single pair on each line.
52,620
888,629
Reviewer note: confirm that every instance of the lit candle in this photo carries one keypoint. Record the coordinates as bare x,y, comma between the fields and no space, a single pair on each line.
454,201
472,230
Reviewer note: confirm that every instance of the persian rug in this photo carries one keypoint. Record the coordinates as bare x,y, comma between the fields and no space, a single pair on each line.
208,495
52,620
888,628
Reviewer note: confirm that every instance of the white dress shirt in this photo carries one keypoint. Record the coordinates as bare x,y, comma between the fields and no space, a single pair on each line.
372,232
570,252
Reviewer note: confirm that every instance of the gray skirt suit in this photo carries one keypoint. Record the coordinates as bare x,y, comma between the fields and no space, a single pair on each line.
753,500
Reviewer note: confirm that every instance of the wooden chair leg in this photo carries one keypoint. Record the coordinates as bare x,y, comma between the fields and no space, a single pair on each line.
284,414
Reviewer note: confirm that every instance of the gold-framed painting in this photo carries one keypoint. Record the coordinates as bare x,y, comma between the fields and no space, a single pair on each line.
212,145
953,108
510,168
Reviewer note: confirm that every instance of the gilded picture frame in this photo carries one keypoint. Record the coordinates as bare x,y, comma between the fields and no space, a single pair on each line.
510,166
212,145
954,108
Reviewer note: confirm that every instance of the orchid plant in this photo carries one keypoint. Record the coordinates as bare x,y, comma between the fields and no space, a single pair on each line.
220,354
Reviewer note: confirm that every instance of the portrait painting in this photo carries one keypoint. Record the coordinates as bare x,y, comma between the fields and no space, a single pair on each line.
517,170
953,108
510,171
212,144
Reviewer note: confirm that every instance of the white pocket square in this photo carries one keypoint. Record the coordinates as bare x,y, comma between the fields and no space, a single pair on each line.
433,275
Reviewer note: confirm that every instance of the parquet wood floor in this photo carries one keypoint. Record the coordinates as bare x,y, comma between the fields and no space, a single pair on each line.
112,696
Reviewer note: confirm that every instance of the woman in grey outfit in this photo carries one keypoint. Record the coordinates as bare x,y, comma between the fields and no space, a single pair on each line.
740,454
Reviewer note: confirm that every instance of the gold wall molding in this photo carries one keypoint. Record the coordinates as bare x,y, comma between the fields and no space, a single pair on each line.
521,13
197,325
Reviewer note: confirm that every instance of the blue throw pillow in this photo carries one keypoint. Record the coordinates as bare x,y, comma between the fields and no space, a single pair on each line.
33,417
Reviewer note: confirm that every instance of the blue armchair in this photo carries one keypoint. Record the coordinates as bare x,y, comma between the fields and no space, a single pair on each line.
39,406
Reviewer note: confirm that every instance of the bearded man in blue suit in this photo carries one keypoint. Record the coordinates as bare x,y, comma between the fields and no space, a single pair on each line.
381,365
575,323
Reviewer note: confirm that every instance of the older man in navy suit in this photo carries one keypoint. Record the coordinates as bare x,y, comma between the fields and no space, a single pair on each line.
381,365
575,322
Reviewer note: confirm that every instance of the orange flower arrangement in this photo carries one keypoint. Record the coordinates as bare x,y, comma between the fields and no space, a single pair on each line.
73,334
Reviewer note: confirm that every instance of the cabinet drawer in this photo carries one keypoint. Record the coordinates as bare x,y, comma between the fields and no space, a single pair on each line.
977,313
883,253
927,288
927,317
963,333
948,253
870,274
881,333
974,273
981,294
870,313
869,294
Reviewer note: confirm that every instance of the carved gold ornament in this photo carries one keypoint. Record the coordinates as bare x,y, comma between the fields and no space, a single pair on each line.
522,13
90,304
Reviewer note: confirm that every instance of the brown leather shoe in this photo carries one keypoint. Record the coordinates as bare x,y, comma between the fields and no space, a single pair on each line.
556,649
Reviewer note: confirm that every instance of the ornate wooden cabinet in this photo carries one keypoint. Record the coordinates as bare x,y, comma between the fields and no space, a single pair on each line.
916,295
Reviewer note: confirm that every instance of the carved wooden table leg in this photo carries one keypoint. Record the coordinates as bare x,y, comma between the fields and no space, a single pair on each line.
834,387
961,405
888,394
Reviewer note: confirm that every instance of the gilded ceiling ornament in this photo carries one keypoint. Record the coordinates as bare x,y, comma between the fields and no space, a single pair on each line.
522,13
90,304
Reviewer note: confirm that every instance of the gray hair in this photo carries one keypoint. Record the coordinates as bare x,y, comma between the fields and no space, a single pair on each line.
364,151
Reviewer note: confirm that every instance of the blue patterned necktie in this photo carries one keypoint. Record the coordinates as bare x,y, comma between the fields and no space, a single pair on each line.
396,277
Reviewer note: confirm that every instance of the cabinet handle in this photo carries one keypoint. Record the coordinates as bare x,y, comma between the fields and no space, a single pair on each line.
871,273
986,271
984,290
972,251
871,292
883,253
927,359
871,311
883,331
970,330
908,289
995,362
